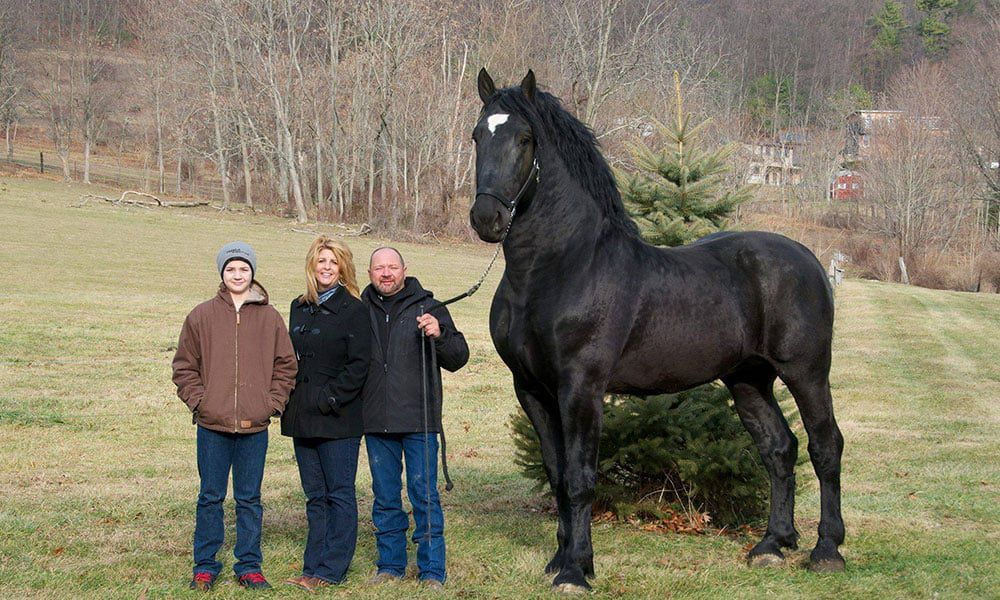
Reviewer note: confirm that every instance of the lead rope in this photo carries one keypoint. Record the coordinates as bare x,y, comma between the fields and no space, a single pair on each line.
434,370
427,450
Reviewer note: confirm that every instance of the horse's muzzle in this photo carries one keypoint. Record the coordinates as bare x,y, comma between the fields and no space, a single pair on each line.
488,217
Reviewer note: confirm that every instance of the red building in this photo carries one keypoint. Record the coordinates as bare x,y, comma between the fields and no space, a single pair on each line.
847,185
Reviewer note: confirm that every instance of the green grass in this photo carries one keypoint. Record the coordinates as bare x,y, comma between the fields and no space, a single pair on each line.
97,473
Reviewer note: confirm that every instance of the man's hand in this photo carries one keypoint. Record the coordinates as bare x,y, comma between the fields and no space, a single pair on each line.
429,325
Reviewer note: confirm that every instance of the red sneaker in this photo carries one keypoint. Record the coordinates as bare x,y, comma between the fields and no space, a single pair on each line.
202,581
254,581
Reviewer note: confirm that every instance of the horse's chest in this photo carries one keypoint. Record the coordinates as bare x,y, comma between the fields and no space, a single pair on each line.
519,344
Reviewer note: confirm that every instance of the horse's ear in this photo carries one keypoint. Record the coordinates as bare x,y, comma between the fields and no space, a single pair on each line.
528,85
486,86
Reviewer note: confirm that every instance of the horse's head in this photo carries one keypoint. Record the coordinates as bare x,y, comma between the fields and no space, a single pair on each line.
505,158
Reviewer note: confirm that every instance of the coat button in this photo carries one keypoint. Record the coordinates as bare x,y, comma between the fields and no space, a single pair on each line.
305,379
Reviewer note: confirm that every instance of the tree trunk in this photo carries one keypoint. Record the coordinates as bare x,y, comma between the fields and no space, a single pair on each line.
86,156
180,161
245,156
293,174
371,183
335,197
319,170
220,151
10,141
64,159
157,114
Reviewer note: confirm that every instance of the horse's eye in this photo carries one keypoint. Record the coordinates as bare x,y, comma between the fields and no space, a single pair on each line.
524,140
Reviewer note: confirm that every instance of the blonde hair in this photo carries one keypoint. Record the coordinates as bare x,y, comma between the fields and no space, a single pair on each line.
345,263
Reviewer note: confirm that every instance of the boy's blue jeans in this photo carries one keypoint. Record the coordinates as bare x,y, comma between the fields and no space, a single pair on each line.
328,469
244,454
386,455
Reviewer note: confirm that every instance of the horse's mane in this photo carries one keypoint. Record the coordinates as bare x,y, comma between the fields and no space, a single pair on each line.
577,146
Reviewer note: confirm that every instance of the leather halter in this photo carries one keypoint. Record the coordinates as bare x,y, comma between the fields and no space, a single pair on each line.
511,205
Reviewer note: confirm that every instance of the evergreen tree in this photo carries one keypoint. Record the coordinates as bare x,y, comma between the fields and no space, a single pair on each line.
934,28
680,193
690,447
889,25
889,30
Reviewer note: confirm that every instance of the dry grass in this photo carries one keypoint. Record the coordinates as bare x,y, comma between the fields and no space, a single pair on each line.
97,475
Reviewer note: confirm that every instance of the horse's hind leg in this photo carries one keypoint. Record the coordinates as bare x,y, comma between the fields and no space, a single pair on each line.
753,392
826,444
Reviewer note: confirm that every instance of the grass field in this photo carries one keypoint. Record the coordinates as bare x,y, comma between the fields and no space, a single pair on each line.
97,472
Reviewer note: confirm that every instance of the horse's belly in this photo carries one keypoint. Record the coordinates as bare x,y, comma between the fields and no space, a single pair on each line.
650,371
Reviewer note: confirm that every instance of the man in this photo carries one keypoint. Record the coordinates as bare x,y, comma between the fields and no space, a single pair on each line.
400,424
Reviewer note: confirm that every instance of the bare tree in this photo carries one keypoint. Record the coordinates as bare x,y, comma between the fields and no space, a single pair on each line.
976,77
53,94
205,48
277,35
11,75
604,46
97,92
913,172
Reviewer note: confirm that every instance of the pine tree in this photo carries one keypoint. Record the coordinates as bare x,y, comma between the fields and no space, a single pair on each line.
689,448
889,26
680,193
935,28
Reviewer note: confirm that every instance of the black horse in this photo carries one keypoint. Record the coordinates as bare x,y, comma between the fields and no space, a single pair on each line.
585,307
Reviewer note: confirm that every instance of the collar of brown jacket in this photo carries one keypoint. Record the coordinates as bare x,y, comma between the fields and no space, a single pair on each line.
256,295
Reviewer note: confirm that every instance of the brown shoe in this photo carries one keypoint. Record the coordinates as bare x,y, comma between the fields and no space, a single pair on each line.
383,577
318,583
432,584
302,582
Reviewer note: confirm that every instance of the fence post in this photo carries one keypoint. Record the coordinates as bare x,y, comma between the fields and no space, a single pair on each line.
41,163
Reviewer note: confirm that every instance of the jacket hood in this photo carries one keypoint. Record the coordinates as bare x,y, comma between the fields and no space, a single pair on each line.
257,295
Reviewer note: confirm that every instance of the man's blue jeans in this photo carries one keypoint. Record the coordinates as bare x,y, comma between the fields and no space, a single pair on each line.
244,454
386,454
328,469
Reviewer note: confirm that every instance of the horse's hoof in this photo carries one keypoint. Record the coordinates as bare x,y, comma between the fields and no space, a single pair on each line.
765,560
570,588
827,565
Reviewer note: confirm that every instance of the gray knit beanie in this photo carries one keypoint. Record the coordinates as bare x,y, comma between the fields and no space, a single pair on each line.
236,251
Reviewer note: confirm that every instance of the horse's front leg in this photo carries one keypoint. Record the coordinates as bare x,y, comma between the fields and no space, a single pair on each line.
543,412
581,414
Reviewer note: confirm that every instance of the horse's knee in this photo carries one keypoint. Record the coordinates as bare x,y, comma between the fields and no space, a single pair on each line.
825,459
780,456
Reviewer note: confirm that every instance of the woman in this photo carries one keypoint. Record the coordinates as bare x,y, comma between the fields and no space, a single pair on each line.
332,339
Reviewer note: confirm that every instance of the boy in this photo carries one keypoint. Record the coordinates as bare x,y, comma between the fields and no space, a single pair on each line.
234,368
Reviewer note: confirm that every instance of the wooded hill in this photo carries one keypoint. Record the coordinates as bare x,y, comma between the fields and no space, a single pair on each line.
361,110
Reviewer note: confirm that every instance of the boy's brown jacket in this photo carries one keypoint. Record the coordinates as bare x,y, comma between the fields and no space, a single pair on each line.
233,369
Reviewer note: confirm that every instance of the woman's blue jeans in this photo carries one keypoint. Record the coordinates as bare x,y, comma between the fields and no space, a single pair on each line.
328,469
218,453
386,456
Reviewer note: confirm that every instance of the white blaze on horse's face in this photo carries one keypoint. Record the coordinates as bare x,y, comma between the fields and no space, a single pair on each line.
496,120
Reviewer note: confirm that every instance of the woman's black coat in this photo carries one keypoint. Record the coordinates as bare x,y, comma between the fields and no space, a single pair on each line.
333,344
